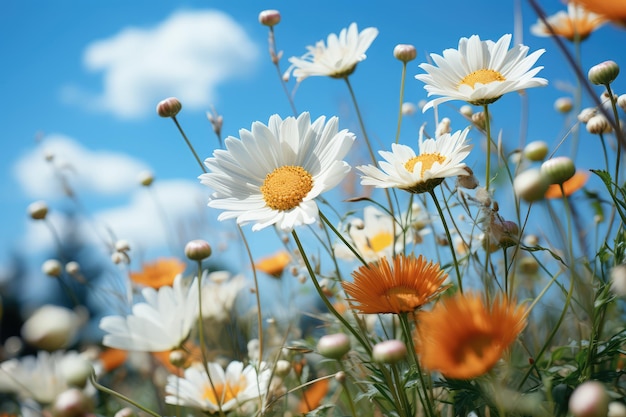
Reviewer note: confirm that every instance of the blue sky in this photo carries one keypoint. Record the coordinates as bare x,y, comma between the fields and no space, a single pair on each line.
86,76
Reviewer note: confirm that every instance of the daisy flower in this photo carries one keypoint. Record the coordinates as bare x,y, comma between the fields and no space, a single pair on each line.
162,322
417,173
337,58
409,284
480,72
219,294
273,174
231,387
373,236
576,23
468,348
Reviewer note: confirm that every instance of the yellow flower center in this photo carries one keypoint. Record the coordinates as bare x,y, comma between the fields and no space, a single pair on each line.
223,393
405,299
380,241
483,76
427,160
474,348
286,186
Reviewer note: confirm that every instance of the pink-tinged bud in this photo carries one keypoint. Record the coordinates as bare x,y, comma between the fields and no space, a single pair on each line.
535,151
598,124
404,53
389,351
169,107
334,346
38,210
72,403
604,73
146,178
269,17
52,268
197,250
558,170
530,185
589,399
563,105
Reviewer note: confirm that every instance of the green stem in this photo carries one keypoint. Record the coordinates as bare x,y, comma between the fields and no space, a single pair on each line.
361,123
488,134
343,239
619,148
189,145
122,397
401,101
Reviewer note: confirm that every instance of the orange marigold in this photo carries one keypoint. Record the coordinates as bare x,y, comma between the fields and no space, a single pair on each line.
158,273
379,288
463,338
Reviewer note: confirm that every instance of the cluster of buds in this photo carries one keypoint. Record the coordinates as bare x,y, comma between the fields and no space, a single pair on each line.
120,255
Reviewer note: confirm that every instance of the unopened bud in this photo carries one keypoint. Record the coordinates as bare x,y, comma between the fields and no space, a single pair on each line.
38,210
405,53
334,346
468,181
586,114
197,250
269,17
389,351
478,119
467,110
530,185
72,268
598,124
146,178
558,170
76,371
282,368
536,150
169,107
510,234
589,399
604,73
178,357
122,245
616,409
563,105
408,108
618,280
341,377
52,268
72,403
528,265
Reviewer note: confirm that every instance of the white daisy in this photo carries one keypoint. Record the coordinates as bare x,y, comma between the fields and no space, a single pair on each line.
163,322
338,58
273,174
417,173
480,72
41,378
231,388
219,294
373,236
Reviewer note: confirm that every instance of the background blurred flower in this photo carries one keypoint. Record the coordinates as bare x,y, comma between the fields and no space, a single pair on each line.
273,174
480,72
575,24
51,327
156,274
338,57
467,348
614,10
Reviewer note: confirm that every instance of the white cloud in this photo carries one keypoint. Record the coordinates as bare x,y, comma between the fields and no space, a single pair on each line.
187,56
86,171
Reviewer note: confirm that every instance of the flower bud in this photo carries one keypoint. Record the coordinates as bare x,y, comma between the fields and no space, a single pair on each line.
178,358
443,127
408,108
531,240
478,119
282,368
586,114
467,110
618,280
528,265
616,409
604,73
563,105
468,181
197,250
146,178
530,185
38,210
598,124
404,53
51,327
621,102
269,17
72,403
76,371
169,107
558,170
589,399
509,234
334,346
122,245
389,351
535,151
72,268
341,377
52,268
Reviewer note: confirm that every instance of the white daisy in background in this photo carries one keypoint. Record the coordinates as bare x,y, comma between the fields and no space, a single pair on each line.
480,72
273,174
576,23
219,294
372,236
163,322
41,378
337,58
417,173
231,387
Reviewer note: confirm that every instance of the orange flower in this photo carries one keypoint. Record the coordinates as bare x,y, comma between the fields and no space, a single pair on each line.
312,397
274,265
463,339
570,186
159,273
576,23
614,10
112,358
377,288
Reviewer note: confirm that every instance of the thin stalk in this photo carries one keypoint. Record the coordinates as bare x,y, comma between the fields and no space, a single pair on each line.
488,134
401,100
122,397
189,145
276,61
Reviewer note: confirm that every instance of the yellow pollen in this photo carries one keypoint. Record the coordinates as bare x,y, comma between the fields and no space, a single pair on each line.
225,392
286,186
483,76
380,241
427,160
